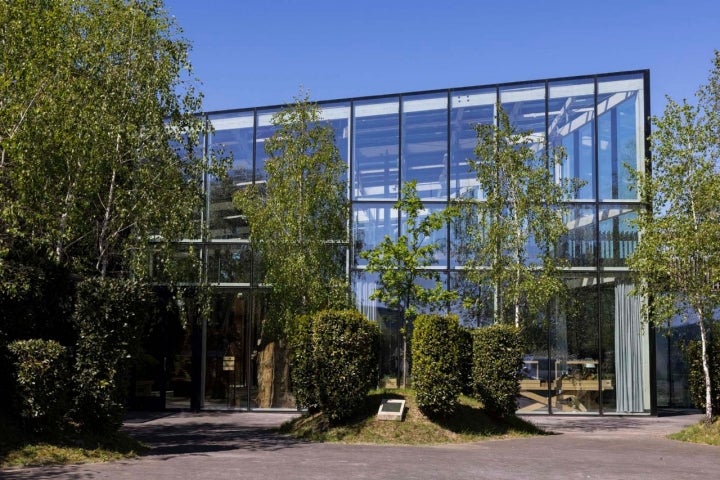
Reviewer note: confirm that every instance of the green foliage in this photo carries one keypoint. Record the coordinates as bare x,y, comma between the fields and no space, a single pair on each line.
497,360
110,316
42,380
98,133
522,201
298,218
437,376
696,376
677,260
335,355
401,263
465,349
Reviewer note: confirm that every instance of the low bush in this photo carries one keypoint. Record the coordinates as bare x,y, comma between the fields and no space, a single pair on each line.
110,316
334,362
497,360
437,377
41,382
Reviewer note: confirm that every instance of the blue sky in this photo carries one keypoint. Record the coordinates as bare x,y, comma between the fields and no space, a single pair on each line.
250,53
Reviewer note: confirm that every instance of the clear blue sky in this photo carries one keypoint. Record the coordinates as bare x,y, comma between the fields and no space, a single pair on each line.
251,53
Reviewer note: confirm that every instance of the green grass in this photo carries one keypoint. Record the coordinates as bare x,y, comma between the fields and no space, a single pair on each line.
18,448
469,424
700,433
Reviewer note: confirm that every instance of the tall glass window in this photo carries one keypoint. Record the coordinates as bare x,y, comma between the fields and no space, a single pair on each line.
338,117
234,136
438,237
265,130
376,149
579,246
618,235
525,107
371,223
621,144
571,125
424,144
469,108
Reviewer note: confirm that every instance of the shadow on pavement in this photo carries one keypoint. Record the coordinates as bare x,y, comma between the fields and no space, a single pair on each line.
208,437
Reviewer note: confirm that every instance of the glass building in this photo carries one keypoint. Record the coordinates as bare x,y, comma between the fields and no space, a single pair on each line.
590,355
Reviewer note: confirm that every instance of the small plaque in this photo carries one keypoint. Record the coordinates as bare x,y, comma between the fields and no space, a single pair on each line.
228,363
391,409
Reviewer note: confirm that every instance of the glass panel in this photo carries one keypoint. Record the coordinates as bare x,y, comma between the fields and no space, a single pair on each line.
234,135
620,135
390,322
578,245
618,236
525,107
571,125
338,116
230,355
371,222
469,108
265,130
438,237
575,360
424,137
478,313
229,263
376,149
537,381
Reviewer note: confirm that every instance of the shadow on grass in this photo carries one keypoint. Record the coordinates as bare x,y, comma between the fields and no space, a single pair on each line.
469,422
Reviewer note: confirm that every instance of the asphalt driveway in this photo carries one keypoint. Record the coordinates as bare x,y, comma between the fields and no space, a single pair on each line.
216,445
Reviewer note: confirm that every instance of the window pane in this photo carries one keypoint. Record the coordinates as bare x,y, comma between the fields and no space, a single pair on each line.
578,245
618,236
338,117
575,359
371,223
234,135
376,148
265,130
620,135
229,263
424,137
469,108
571,125
439,237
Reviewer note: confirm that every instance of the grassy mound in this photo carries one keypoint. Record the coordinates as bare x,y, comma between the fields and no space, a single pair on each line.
700,433
470,423
19,448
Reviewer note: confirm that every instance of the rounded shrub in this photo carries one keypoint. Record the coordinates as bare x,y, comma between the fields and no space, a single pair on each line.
497,360
41,381
437,376
334,362
110,316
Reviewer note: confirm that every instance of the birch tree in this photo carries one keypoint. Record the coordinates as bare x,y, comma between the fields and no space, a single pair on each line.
522,204
677,260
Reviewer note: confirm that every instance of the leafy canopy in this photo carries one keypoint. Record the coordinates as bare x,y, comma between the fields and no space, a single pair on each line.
98,133
298,217
522,207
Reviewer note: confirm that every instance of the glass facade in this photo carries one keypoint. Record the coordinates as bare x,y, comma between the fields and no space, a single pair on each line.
587,355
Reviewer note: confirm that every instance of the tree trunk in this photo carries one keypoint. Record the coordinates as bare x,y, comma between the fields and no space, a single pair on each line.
706,370
273,365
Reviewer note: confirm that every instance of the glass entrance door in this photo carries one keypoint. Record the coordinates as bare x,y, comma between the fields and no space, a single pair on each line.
229,380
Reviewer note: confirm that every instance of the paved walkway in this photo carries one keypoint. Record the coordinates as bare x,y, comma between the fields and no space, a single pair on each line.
215,445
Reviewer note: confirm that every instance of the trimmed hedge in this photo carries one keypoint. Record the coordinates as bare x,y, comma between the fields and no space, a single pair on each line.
110,316
497,360
42,378
334,362
437,376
